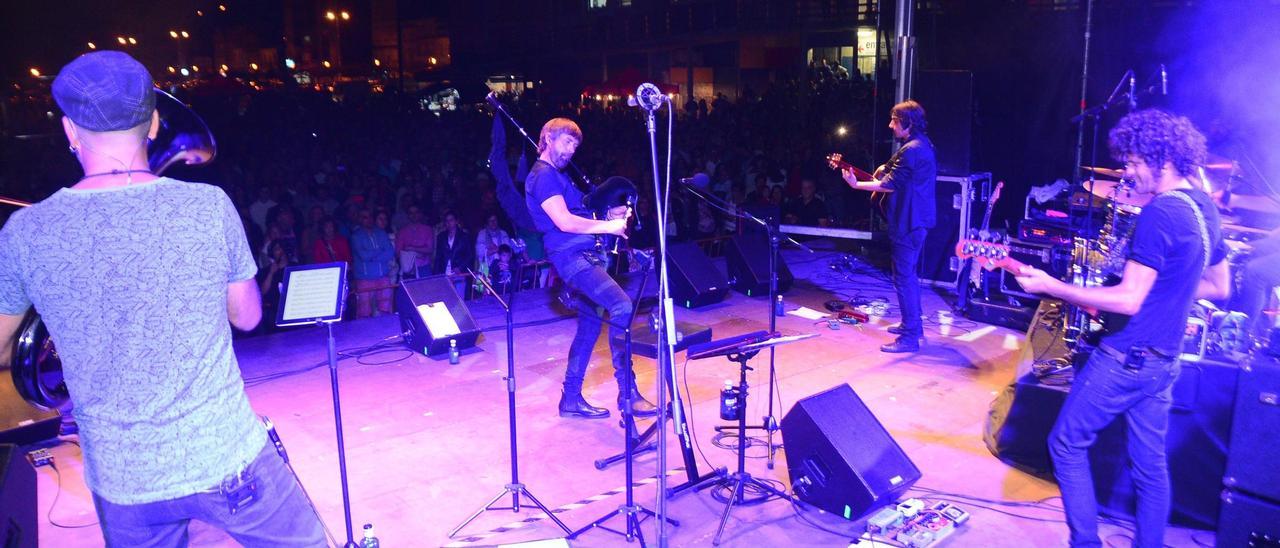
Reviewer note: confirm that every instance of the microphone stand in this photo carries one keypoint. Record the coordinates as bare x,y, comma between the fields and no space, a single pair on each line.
769,423
665,323
515,488
634,514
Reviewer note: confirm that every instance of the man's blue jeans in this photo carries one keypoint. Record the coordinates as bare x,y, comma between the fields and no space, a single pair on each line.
597,291
905,251
1104,390
280,516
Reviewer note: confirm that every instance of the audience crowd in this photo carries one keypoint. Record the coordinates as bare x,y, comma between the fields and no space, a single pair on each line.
400,192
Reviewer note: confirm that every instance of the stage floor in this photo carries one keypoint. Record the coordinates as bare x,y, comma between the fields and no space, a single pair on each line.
427,442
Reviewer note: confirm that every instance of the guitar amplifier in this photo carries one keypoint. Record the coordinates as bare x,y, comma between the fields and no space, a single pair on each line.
1052,258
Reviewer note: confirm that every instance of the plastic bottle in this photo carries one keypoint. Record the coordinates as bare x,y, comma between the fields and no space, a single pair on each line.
777,307
453,352
369,541
729,401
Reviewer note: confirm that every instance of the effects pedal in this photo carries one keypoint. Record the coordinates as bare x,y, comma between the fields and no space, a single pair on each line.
40,457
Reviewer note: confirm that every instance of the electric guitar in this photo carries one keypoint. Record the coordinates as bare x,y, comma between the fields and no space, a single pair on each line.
975,274
992,254
836,161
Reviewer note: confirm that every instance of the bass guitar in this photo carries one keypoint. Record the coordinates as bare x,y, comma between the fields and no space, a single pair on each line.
990,254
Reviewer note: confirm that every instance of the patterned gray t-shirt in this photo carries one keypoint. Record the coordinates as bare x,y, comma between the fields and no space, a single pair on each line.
132,284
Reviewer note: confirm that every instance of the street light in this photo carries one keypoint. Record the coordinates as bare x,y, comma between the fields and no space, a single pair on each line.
337,18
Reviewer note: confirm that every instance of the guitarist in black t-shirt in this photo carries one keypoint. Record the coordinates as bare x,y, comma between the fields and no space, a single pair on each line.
1176,257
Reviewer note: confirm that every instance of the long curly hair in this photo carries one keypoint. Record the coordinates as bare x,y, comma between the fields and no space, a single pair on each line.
1157,137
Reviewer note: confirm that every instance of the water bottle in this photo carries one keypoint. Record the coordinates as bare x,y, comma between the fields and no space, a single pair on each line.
777,307
369,541
729,401
453,352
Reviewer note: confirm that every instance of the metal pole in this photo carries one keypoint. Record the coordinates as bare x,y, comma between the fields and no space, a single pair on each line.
1084,88
905,52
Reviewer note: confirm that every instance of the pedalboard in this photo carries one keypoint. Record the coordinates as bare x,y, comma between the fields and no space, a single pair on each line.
915,524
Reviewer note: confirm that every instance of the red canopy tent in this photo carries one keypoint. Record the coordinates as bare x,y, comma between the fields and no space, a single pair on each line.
624,83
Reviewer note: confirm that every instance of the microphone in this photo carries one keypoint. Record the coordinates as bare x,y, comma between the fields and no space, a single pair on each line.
699,181
1164,81
647,97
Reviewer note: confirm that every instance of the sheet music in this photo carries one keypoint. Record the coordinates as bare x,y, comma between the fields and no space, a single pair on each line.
312,294
438,319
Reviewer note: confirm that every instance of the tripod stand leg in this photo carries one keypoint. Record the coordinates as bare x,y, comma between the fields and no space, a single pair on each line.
478,512
728,508
546,511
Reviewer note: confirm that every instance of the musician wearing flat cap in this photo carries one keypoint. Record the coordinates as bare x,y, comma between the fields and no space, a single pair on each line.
140,280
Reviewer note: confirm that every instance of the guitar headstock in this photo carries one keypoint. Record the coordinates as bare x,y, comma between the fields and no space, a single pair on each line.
995,193
988,250
835,160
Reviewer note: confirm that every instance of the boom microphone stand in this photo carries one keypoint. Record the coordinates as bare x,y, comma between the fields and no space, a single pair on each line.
515,488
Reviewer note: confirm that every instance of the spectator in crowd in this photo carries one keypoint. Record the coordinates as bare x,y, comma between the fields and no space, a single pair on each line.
415,242
454,251
490,240
330,246
808,209
503,270
373,254
269,279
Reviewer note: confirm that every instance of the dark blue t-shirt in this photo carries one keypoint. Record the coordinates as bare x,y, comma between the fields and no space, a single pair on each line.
545,181
1167,238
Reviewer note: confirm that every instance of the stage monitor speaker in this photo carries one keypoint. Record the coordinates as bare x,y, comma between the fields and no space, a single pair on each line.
947,98
18,526
840,458
1248,521
429,308
1197,440
747,261
1252,457
694,280
20,422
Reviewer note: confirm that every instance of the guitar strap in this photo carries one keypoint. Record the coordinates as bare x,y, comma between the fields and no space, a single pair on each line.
1200,222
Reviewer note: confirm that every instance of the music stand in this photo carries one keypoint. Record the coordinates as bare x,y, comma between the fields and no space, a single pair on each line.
740,349
315,294
514,488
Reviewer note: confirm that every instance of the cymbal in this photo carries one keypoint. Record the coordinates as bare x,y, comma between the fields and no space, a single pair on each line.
1120,193
1104,171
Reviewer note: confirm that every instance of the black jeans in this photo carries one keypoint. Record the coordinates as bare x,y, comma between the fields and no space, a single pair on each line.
597,291
905,252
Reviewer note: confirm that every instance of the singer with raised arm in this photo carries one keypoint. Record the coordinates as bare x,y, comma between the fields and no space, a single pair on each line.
1176,256
909,178
558,211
